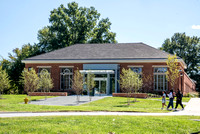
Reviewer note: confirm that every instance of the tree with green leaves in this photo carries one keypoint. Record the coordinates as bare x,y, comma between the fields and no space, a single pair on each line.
68,25
90,82
78,84
4,80
188,48
30,80
172,73
73,24
46,82
14,65
129,82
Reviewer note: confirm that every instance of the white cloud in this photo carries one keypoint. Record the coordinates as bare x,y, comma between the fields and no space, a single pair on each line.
196,27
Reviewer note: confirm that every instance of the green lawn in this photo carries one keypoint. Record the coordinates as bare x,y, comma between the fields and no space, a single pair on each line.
101,124
15,103
184,99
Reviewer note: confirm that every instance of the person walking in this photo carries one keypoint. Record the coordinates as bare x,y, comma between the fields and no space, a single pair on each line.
163,99
171,99
179,99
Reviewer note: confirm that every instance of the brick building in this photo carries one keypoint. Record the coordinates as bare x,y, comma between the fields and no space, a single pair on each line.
106,62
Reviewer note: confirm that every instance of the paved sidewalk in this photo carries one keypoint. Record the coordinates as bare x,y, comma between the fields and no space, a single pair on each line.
96,114
192,109
193,106
66,100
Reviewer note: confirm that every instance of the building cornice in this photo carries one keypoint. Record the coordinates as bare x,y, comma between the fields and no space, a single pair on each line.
43,66
135,66
159,66
103,61
66,66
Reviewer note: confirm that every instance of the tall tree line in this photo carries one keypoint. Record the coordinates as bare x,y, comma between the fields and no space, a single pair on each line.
74,25
68,26
188,48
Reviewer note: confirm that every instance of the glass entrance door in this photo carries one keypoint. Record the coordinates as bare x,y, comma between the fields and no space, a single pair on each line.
100,86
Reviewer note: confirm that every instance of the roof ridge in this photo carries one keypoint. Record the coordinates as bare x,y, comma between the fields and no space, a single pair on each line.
108,43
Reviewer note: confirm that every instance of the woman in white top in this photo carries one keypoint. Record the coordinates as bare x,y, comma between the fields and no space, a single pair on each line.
171,99
163,99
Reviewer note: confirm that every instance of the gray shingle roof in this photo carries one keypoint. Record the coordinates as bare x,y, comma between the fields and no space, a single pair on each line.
103,51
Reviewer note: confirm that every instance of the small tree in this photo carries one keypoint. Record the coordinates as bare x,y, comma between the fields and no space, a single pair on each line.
147,79
4,80
30,80
130,82
90,83
46,82
77,84
172,73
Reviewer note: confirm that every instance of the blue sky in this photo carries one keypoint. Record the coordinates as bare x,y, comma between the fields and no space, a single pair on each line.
145,21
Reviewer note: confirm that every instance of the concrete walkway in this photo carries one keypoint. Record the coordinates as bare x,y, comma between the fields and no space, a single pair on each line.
192,109
66,100
193,106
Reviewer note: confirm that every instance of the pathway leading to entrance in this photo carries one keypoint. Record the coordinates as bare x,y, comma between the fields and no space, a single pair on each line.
192,109
66,100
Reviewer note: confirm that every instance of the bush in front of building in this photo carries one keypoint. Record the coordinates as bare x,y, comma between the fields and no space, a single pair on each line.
78,84
30,80
130,82
46,82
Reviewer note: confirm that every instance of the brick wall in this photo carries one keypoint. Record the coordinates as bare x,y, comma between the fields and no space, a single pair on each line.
187,84
146,69
131,95
55,71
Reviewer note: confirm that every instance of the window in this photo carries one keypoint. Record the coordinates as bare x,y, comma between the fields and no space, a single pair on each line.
66,77
40,69
160,80
137,70
29,69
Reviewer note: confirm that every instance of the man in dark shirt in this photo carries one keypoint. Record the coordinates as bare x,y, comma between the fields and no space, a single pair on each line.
179,99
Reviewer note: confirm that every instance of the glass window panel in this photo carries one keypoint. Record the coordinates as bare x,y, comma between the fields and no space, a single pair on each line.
29,69
155,70
112,75
160,69
40,69
101,75
136,69
160,81
112,85
66,70
66,78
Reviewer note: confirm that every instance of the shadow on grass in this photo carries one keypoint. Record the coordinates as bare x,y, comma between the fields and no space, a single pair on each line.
134,101
125,105
125,102
34,100
196,132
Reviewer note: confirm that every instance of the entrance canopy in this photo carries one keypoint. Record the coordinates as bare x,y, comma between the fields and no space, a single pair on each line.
97,71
